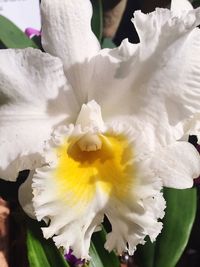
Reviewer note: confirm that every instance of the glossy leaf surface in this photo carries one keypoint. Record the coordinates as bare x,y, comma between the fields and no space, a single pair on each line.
12,37
42,252
108,259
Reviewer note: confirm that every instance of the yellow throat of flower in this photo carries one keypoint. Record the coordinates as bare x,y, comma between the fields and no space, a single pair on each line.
93,163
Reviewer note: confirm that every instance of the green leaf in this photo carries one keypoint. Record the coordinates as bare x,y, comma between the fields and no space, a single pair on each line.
95,259
178,222
97,18
107,259
36,253
145,254
12,37
42,252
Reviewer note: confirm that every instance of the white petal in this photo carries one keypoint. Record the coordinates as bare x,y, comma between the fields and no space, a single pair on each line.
21,143
178,5
66,33
177,165
169,70
37,79
162,28
111,87
131,223
72,225
25,196
75,190
27,74
34,99
161,85
192,126
72,220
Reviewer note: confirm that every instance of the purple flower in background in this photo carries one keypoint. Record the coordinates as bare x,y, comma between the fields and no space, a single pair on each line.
72,260
30,32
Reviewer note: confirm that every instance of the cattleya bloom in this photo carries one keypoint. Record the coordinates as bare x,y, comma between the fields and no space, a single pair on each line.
101,130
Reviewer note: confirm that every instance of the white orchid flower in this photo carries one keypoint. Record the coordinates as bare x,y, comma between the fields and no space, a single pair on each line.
100,130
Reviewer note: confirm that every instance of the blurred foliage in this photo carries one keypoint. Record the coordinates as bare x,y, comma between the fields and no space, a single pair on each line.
97,18
12,37
42,252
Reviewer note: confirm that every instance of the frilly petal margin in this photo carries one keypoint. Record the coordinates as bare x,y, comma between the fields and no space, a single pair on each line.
170,62
67,34
35,98
71,227
75,205
161,73
138,217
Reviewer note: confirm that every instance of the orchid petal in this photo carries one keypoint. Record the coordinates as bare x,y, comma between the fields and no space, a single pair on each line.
66,33
22,144
179,5
75,190
160,84
192,126
177,165
131,223
34,78
34,97
172,87
73,225
111,87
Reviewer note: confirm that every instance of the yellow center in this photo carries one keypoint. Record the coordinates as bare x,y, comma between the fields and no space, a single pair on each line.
100,165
